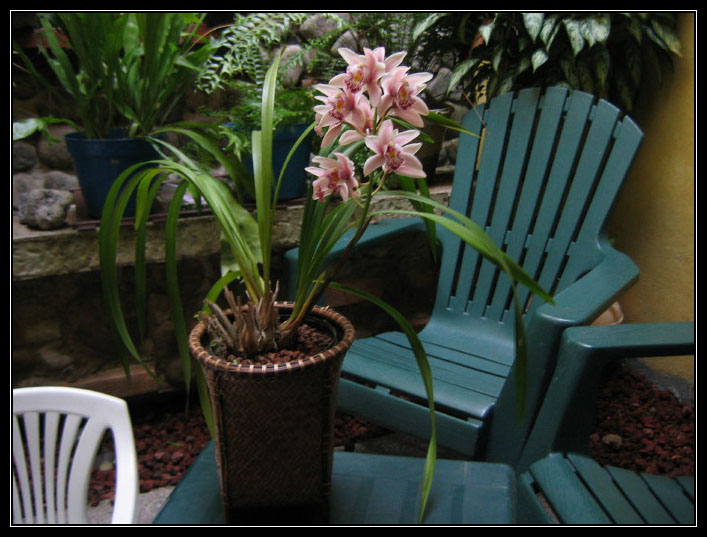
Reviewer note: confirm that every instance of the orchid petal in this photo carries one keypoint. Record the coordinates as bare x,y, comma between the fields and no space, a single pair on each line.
350,136
406,136
392,61
350,56
373,162
331,135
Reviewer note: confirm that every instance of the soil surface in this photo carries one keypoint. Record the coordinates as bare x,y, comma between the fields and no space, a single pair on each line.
638,427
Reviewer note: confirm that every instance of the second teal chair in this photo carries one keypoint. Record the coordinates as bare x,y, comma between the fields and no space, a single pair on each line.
559,481
541,183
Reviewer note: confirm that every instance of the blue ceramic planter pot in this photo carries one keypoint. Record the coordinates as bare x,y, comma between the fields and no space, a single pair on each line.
99,162
294,182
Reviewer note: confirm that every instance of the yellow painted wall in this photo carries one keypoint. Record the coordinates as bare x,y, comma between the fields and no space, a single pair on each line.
654,219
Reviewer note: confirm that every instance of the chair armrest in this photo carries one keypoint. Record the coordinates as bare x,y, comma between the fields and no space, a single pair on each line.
578,304
588,297
564,422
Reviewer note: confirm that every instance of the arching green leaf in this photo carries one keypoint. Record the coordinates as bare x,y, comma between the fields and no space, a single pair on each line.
426,373
485,31
533,23
538,58
667,37
549,30
600,24
574,34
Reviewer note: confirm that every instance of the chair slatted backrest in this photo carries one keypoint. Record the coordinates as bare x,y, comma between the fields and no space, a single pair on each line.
56,434
541,181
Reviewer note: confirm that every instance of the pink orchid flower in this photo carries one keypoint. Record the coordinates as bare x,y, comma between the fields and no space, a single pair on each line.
361,123
334,176
338,105
392,153
400,95
365,70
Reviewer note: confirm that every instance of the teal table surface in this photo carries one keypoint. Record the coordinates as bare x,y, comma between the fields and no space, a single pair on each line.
366,489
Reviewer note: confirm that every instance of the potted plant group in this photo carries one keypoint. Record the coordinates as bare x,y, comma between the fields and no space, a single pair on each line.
359,111
124,74
239,67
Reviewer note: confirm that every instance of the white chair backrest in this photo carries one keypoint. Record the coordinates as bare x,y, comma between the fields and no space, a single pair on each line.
56,434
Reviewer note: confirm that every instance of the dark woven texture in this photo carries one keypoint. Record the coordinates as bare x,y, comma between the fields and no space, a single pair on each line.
275,424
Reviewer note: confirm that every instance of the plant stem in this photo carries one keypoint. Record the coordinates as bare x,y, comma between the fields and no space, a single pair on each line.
322,284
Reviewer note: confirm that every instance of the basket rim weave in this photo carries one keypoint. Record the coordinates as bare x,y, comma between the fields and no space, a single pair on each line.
208,359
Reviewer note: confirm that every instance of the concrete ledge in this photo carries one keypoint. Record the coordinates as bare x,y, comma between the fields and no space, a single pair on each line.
36,254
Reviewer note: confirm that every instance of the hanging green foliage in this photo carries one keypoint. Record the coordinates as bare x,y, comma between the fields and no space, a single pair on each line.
608,54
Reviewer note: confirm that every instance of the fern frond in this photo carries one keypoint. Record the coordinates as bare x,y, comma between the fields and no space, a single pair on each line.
243,43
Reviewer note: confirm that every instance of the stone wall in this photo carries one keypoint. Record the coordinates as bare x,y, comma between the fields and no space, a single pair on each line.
61,333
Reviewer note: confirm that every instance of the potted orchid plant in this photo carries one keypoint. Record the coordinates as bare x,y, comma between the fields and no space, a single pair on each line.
361,110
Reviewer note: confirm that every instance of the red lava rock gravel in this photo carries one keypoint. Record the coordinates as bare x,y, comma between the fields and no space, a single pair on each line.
638,427
166,447
643,428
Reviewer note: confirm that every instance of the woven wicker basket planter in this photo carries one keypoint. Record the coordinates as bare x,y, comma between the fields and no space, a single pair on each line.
274,424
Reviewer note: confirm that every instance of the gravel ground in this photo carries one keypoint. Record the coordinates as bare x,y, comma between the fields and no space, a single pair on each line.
643,428
638,427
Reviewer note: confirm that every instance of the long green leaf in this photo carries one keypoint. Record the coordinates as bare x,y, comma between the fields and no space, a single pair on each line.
207,139
292,151
448,123
232,217
473,235
262,166
410,185
324,237
172,282
236,224
147,192
114,208
219,286
426,373
320,230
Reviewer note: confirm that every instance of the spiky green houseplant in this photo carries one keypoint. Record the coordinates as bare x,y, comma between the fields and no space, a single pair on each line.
122,70
357,114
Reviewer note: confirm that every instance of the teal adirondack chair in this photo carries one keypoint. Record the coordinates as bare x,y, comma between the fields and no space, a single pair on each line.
556,464
549,168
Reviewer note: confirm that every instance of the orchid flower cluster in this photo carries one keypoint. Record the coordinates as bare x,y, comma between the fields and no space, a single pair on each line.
358,106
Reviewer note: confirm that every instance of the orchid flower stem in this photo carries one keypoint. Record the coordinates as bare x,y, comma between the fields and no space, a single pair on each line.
380,184
357,202
326,278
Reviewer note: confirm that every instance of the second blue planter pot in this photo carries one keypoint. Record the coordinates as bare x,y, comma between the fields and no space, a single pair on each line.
294,182
99,162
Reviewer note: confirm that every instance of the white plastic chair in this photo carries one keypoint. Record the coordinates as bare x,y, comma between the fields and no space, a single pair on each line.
60,430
